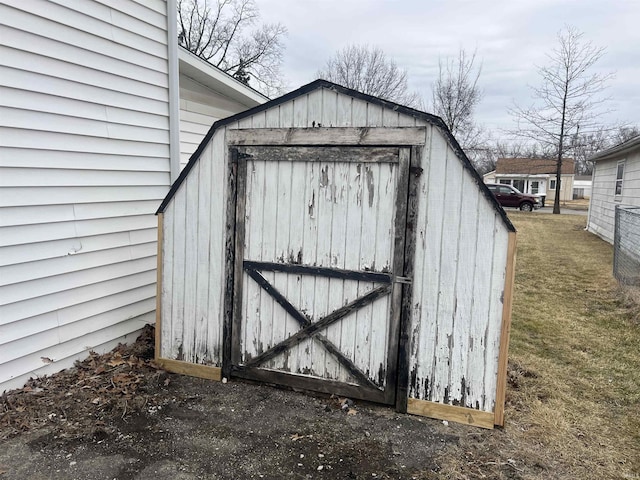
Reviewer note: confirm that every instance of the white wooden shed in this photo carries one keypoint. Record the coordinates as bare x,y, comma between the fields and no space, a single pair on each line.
336,242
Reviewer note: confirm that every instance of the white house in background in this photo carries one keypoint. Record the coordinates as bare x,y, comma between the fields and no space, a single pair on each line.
616,181
536,176
97,107
582,186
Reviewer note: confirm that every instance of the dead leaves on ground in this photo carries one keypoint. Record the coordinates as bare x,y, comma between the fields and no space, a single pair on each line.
83,398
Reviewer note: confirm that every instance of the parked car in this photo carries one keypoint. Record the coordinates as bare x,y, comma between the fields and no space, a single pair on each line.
508,196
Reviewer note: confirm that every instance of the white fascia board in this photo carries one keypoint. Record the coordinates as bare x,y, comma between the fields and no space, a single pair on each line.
518,175
206,74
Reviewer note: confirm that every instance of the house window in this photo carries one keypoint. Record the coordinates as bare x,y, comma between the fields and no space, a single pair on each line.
619,175
519,184
504,182
552,184
535,187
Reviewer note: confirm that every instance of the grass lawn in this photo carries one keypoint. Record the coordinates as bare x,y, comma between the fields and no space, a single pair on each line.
573,400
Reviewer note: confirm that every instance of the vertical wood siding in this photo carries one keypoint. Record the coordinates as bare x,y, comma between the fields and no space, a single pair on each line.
193,263
458,284
84,162
460,260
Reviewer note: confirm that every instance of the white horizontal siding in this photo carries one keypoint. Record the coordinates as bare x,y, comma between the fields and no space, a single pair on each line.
200,107
84,162
79,14
47,158
49,84
12,216
67,316
603,199
14,254
89,292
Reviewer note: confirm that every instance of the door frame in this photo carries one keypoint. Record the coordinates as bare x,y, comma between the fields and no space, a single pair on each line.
410,141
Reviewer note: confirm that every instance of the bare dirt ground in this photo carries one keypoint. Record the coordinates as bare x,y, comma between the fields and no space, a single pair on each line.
118,416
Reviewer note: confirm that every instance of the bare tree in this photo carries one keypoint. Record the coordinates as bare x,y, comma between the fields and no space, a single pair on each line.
567,99
368,70
584,146
216,31
455,93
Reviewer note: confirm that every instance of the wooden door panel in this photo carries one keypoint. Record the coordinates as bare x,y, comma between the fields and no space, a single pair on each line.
316,224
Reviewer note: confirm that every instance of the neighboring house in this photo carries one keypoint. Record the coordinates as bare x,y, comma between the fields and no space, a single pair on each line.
97,104
207,94
536,176
616,181
582,186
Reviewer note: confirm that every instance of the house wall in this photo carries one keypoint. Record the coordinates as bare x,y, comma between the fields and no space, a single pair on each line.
200,107
601,220
461,257
566,189
84,122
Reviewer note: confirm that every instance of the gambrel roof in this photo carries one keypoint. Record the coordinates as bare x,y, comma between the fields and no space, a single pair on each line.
318,84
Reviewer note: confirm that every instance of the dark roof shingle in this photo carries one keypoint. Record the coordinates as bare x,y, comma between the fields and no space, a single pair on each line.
532,166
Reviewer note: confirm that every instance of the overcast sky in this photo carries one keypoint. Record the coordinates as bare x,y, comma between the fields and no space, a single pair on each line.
512,37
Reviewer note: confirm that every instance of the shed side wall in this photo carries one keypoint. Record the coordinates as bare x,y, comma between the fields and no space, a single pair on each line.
461,257
85,161
192,300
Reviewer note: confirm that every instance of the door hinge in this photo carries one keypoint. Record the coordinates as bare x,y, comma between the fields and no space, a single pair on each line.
417,171
406,280
236,156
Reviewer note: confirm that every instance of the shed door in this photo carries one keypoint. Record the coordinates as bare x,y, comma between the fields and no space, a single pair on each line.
319,249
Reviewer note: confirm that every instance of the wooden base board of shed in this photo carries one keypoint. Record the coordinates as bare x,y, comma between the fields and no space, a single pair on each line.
467,416
191,369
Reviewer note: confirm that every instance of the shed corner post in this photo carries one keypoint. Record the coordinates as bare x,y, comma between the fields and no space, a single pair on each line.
158,327
503,354
404,347
233,258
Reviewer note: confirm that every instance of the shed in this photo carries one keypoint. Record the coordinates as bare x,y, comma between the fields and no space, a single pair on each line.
336,242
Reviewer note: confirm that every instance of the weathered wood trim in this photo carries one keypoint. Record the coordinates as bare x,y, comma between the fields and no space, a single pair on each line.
394,341
239,159
327,154
328,136
452,413
229,267
303,321
503,354
305,382
404,343
191,369
313,328
158,337
319,271
278,297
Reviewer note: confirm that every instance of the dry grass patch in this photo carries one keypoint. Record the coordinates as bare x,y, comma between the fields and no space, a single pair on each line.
573,403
